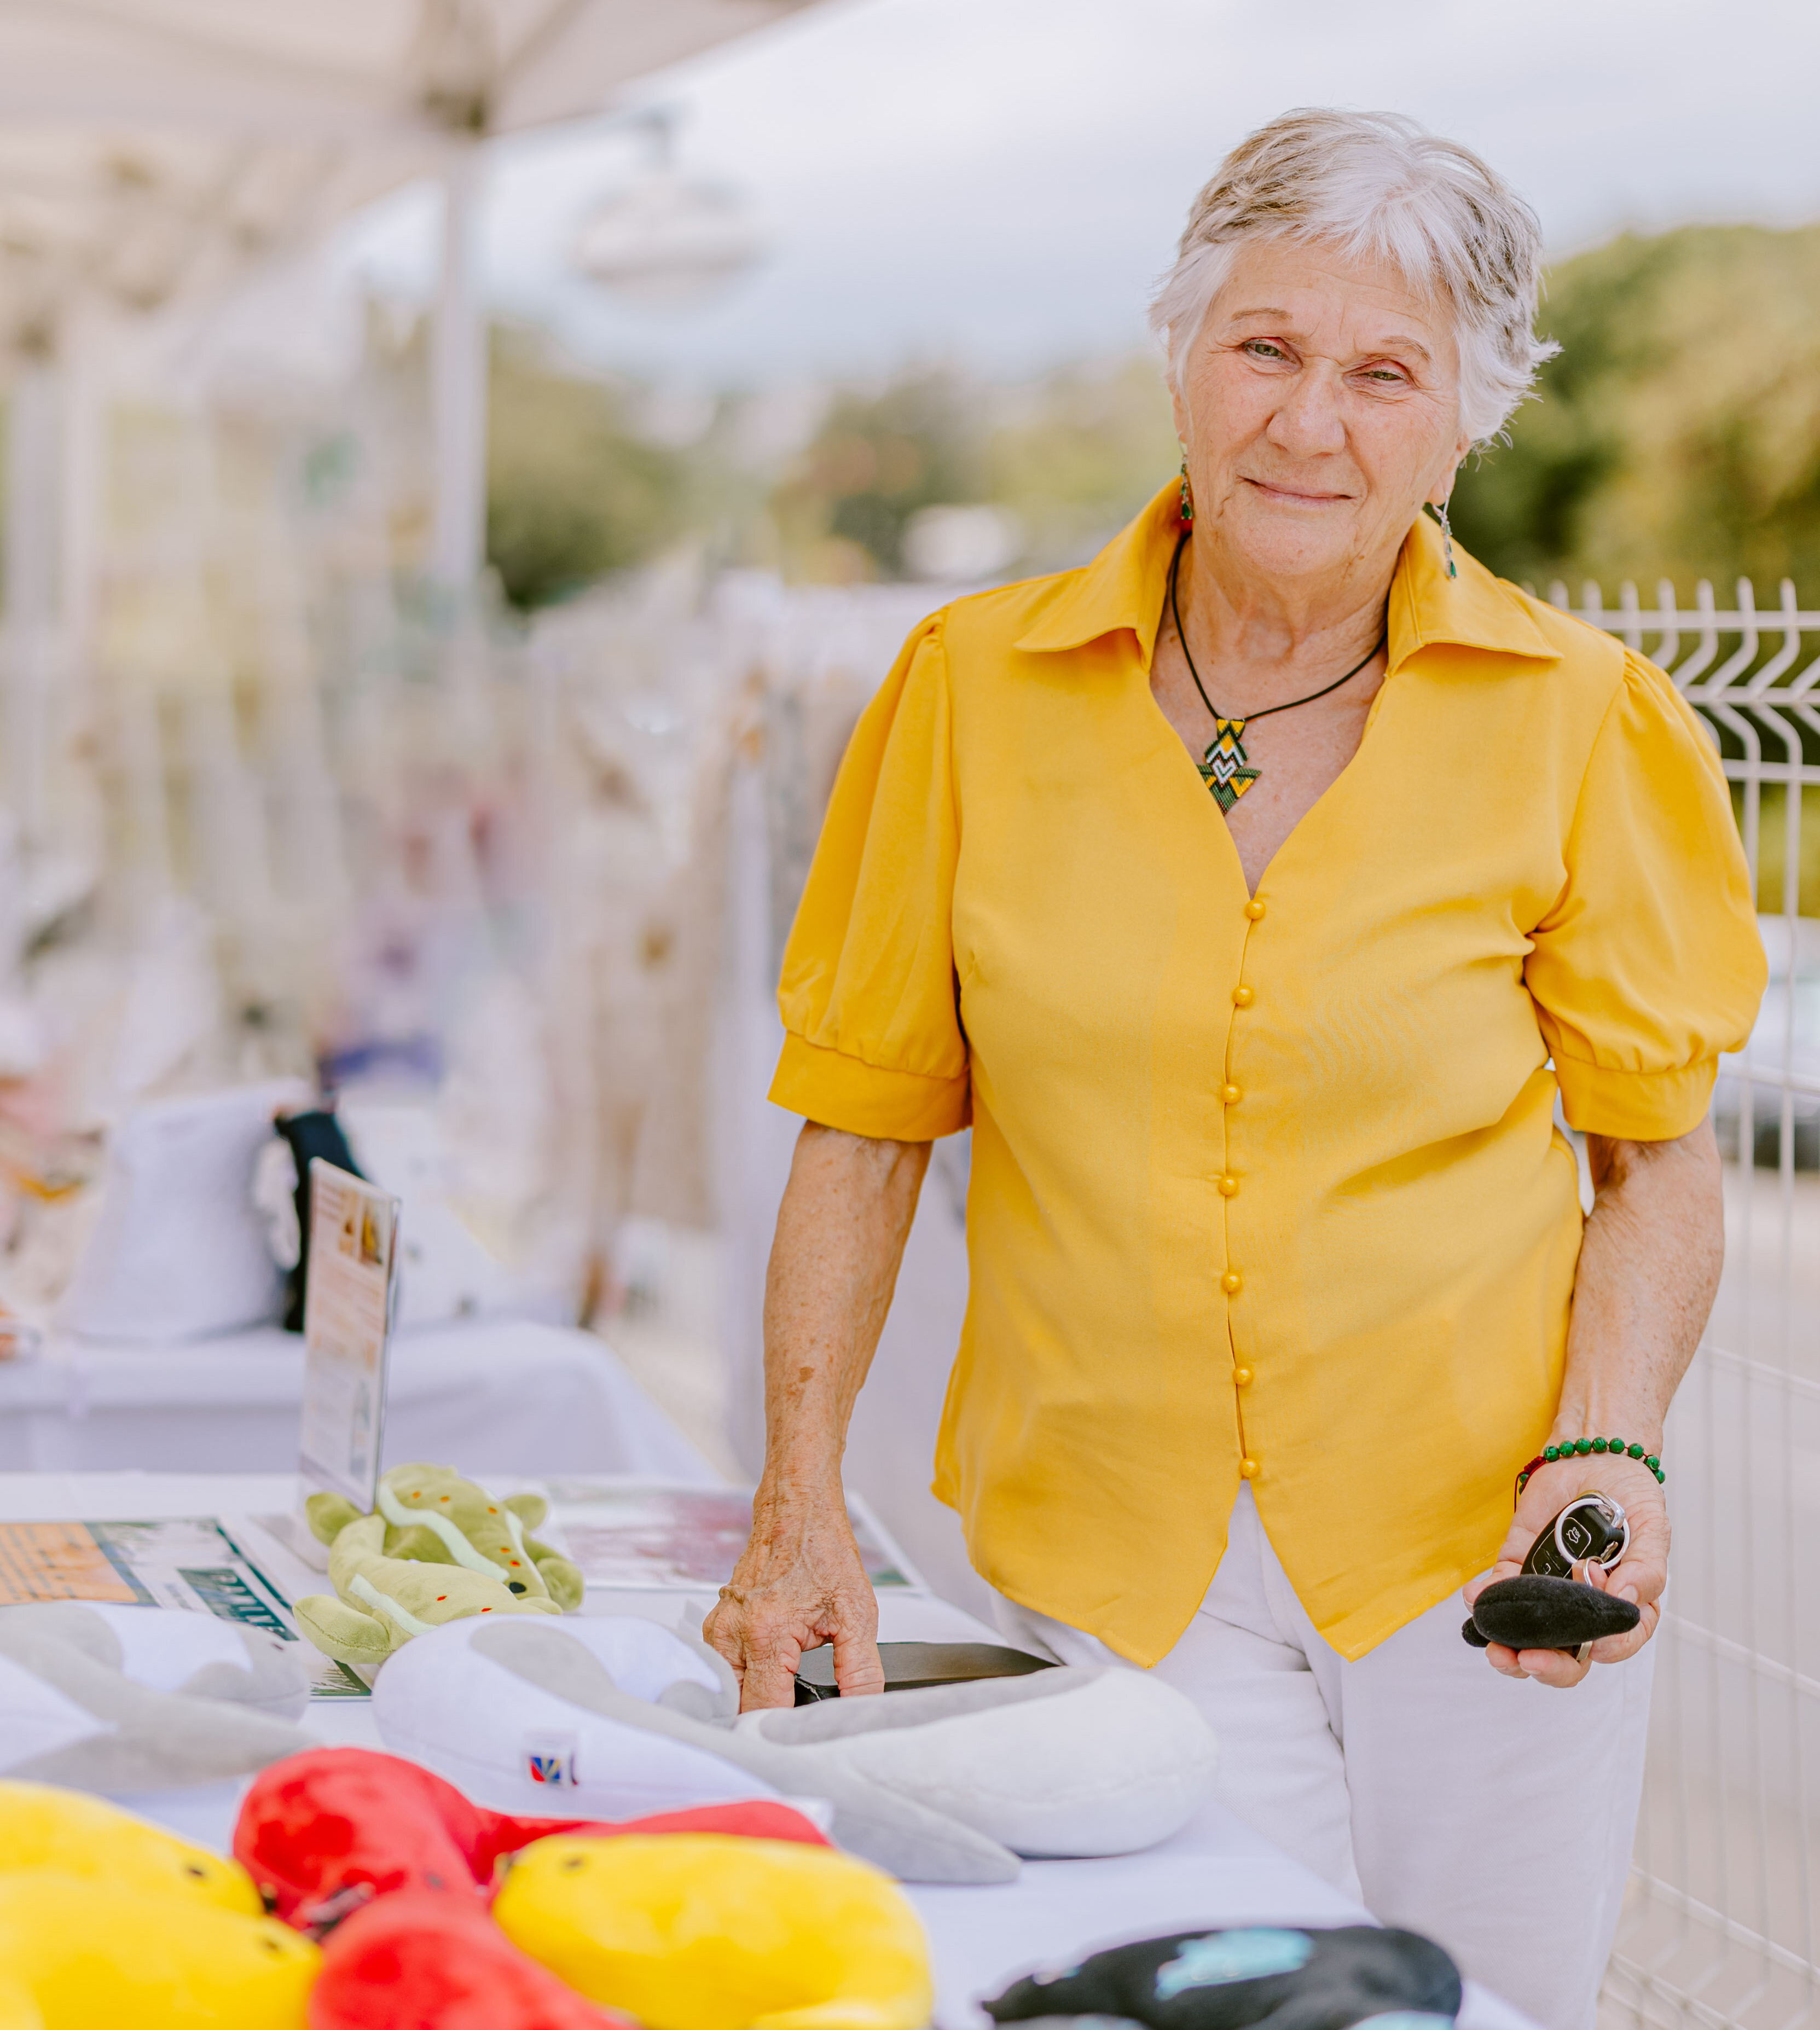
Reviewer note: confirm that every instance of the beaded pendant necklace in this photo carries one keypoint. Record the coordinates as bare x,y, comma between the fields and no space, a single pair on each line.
1226,768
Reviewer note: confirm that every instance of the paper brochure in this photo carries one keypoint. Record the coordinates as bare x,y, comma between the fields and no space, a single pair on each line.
196,1562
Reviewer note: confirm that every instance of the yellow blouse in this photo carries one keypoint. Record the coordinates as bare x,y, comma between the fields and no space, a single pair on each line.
1269,1179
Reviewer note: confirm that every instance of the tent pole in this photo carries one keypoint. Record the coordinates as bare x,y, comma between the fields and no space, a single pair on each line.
458,399
32,473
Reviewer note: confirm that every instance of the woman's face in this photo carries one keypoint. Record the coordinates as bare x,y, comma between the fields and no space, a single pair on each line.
1320,407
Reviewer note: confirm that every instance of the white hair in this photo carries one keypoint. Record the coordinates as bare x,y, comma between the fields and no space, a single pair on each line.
1378,186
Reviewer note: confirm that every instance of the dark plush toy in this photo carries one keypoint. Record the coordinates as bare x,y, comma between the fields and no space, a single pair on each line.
1281,1978
1535,1612
326,1831
420,1961
1544,1607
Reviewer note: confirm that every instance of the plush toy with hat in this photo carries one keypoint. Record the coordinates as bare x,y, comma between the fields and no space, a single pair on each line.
436,1548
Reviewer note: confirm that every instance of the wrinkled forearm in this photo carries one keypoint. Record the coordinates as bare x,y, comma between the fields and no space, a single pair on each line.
841,1231
1649,1267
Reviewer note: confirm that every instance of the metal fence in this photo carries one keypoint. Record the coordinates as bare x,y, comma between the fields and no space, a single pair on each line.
1719,1927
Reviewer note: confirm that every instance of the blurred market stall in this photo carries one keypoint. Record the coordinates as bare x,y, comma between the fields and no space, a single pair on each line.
270,769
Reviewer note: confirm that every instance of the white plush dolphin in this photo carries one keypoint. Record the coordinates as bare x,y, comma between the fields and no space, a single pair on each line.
614,1716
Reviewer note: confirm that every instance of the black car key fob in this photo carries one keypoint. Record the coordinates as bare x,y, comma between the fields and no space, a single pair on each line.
1544,1607
1592,1529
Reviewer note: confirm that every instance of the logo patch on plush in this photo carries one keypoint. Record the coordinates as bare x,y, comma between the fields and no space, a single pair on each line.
1229,1956
550,1758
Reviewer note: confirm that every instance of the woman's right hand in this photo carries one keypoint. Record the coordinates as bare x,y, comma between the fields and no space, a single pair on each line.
841,1230
799,1583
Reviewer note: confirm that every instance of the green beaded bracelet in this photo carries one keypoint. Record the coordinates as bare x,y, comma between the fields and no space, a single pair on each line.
1584,1448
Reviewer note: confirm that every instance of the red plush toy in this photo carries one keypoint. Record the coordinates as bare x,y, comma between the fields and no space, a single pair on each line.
324,1832
417,1961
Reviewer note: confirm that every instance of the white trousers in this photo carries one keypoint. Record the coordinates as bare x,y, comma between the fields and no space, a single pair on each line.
1493,1814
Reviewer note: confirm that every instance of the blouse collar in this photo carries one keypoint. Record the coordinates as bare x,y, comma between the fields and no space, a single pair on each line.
1125,585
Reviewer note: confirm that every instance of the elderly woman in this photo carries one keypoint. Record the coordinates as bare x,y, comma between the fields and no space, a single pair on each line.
1258,892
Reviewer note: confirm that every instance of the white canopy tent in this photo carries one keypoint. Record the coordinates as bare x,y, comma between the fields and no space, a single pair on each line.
153,151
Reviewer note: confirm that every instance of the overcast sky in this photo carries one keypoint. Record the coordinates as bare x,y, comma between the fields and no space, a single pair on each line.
998,181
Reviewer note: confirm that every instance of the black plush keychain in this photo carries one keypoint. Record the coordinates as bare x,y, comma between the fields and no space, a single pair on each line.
1544,1607
1272,1977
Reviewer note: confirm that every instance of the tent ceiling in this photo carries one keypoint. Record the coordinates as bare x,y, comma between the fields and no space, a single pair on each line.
352,70
154,149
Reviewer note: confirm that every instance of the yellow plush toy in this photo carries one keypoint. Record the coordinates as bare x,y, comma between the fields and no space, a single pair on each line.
109,1923
70,1833
436,1548
707,1932
81,1955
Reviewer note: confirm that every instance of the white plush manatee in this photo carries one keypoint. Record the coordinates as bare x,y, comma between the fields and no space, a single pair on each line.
945,1785
116,1699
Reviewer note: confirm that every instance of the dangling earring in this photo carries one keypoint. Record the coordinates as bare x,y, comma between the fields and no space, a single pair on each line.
1447,537
1186,512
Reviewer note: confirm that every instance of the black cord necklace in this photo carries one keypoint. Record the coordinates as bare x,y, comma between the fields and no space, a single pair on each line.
1227,769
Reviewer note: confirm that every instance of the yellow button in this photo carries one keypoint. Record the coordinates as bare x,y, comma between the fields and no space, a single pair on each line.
1248,1469
1254,909
1242,1376
1229,1186
1231,1094
1232,1282
1242,997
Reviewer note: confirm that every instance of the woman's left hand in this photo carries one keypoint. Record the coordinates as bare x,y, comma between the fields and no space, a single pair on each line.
1639,1576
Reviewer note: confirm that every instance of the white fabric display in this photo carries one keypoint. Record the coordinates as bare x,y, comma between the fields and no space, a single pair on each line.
948,1784
443,1272
501,1396
179,1250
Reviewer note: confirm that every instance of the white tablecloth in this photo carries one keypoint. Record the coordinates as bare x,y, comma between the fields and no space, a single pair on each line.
1214,1871
496,1396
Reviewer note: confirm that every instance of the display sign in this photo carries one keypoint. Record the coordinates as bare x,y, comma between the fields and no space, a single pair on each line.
347,1329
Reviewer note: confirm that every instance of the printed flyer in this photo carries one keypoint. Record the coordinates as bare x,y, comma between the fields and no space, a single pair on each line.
195,1562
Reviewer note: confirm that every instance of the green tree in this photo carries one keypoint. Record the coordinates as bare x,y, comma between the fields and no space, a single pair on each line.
1076,456
573,492
1678,434
842,511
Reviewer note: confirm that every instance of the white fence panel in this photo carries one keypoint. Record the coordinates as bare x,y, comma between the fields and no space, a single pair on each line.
1719,1929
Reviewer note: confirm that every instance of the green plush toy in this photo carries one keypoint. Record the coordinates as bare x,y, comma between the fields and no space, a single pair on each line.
436,1548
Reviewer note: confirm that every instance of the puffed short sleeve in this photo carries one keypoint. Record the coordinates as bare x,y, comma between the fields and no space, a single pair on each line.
868,995
1649,963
